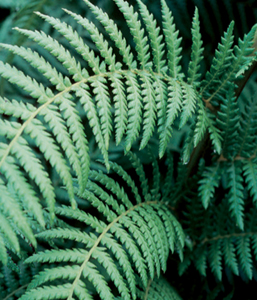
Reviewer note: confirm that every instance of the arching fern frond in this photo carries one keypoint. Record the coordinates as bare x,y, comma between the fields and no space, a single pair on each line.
129,237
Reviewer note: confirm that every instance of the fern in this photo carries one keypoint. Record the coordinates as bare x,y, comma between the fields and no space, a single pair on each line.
85,89
127,236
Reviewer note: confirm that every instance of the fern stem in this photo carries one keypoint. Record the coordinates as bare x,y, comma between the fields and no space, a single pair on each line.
68,89
227,236
15,291
97,242
148,288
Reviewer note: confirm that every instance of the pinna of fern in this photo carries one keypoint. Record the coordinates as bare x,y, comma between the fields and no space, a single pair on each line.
128,243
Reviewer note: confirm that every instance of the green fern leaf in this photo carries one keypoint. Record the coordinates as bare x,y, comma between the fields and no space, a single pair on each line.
112,29
134,110
174,104
197,50
227,121
229,255
128,239
221,61
250,174
215,258
154,37
149,108
245,257
137,32
120,105
236,193
172,42
8,234
210,180
189,103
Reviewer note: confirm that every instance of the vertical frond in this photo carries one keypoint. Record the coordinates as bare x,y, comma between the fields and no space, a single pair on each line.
210,180
236,199
197,50
172,42
138,34
155,37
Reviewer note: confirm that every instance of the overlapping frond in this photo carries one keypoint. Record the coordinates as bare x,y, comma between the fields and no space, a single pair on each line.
227,247
132,237
143,98
239,177
229,63
103,88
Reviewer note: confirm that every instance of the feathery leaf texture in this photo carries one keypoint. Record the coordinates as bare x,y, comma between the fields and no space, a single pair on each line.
108,90
124,242
144,95
221,244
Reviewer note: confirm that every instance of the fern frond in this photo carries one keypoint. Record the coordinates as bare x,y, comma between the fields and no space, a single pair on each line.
120,105
98,84
221,61
189,103
161,93
11,209
189,143
227,247
155,38
114,33
246,139
229,252
227,121
236,193
134,110
135,161
69,112
201,125
8,234
197,50
210,180
45,97
137,33
245,257
241,57
174,104
130,238
205,121
103,104
148,95
54,47
250,174
215,258
101,44
172,42
156,177
85,98
115,244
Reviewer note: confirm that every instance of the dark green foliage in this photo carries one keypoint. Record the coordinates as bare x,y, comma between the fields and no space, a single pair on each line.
127,163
